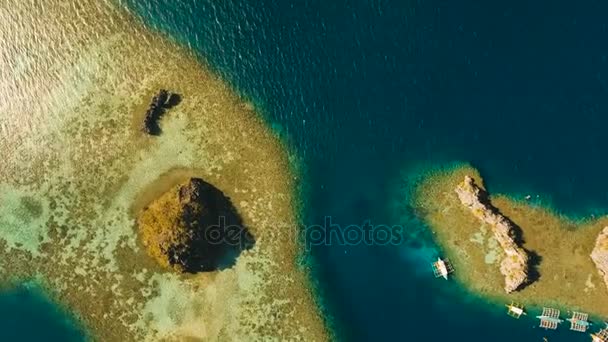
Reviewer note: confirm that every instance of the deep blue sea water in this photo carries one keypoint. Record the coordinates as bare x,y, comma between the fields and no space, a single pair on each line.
366,91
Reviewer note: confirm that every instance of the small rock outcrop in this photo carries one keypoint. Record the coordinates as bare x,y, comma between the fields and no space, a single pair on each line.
515,265
599,255
193,228
162,101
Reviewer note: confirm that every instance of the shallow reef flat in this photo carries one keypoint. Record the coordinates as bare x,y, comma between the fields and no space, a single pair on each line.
562,272
75,80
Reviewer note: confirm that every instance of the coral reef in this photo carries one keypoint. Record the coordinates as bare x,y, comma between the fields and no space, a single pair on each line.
515,264
77,170
560,271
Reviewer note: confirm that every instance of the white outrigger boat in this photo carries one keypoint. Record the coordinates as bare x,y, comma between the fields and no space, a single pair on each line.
515,310
549,319
579,321
442,268
600,336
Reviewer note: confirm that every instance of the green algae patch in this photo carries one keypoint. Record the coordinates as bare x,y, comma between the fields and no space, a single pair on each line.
563,272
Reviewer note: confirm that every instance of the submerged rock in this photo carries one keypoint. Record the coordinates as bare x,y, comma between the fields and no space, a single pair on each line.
193,228
515,265
599,255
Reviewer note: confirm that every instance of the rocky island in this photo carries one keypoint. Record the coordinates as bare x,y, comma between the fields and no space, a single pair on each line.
193,228
513,248
599,255
514,265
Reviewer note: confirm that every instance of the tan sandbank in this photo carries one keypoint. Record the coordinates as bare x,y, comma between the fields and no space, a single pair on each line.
567,276
75,80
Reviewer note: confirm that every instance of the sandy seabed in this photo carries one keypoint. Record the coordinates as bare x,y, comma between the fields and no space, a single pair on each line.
568,278
75,80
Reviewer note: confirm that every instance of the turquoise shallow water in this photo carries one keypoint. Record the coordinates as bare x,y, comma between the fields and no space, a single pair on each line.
27,315
367,91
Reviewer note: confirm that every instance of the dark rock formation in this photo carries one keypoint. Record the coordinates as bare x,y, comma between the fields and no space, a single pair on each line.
162,101
193,228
